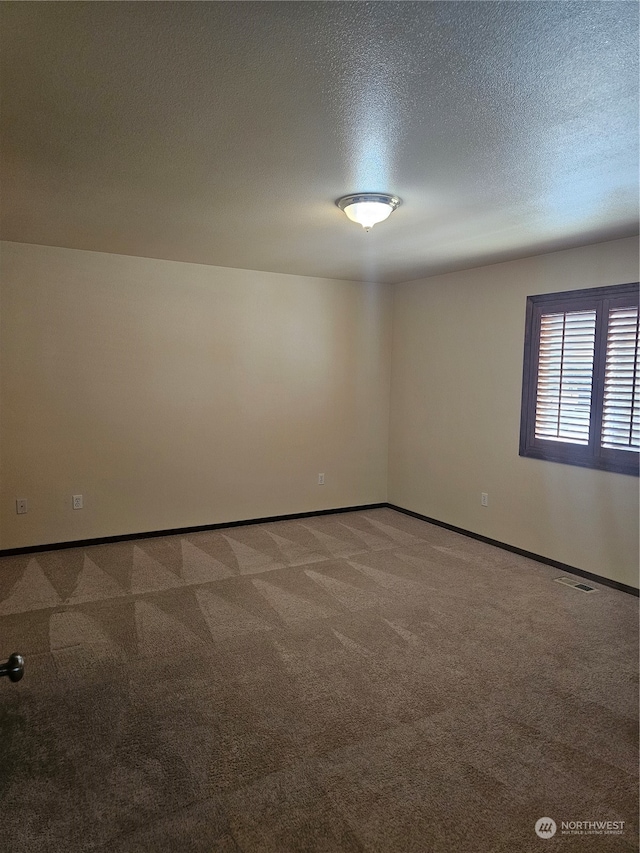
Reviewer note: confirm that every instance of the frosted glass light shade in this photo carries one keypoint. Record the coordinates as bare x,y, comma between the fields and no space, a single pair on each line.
368,208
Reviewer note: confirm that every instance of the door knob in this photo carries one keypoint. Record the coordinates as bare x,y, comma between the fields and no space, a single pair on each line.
13,668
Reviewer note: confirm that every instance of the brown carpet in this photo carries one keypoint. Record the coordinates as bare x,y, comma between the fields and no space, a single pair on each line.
354,682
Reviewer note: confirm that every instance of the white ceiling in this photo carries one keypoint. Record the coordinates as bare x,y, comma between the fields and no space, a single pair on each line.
223,132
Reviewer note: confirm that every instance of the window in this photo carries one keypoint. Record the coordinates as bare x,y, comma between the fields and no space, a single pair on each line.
581,379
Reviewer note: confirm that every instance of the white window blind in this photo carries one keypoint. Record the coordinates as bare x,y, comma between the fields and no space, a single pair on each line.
621,405
565,375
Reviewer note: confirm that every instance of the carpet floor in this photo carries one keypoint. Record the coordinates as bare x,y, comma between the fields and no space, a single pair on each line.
355,682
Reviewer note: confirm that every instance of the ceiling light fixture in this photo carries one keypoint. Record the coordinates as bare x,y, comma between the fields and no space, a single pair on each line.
368,208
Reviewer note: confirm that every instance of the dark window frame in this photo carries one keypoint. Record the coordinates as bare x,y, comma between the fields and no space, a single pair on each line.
592,455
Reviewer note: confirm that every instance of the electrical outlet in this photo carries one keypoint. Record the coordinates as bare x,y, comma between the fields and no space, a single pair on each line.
484,498
77,502
321,479
22,505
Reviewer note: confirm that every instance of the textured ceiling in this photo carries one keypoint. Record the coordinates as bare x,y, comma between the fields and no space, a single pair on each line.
222,133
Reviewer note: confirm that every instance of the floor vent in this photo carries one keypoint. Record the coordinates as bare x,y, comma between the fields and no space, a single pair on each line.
575,584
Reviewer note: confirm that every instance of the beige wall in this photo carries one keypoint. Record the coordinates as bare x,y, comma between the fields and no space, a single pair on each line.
455,415
172,394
